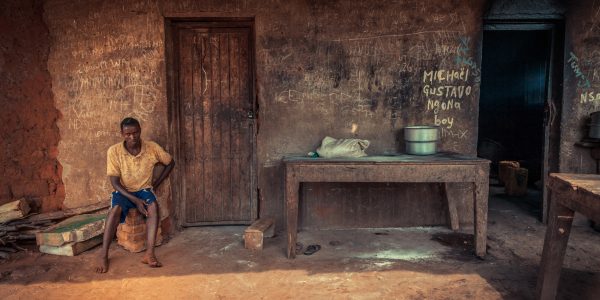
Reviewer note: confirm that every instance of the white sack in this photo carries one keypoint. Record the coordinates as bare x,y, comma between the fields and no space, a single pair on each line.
331,147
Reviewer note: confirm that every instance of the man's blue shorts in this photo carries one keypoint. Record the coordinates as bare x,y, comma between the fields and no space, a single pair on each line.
118,199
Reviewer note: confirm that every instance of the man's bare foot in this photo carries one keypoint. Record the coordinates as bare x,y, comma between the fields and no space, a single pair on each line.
102,266
151,261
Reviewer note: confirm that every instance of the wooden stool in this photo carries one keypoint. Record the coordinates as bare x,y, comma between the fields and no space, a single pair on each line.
253,235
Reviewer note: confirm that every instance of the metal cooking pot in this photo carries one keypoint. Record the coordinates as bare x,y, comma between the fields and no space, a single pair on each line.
421,148
421,140
421,133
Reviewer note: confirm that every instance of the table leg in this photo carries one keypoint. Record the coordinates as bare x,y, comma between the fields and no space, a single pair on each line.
480,195
451,204
292,189
555,245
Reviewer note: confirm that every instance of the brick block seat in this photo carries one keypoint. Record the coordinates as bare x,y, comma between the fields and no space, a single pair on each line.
131,235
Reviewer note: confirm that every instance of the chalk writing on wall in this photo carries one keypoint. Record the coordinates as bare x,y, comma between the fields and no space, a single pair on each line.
361,75
582,80
444,91
584,85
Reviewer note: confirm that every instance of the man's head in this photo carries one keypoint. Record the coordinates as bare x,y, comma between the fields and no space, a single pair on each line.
131,131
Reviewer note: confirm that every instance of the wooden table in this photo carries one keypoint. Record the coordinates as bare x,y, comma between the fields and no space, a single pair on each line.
440,168
569,193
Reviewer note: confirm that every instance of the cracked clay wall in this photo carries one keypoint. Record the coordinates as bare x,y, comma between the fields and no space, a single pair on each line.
28,135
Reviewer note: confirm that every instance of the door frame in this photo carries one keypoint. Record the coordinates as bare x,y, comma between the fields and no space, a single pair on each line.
174,111
554,99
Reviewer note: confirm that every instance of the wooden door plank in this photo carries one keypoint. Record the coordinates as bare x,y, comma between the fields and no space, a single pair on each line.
204,150
185,83
225,126
199,82
246,130
216,172
207,133
236,113
204,143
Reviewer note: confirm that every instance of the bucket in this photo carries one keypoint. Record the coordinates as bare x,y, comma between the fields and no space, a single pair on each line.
421,140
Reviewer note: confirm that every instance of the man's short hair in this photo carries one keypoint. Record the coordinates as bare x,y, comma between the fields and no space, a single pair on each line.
130,122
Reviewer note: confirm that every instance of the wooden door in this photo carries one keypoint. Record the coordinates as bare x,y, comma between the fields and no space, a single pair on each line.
217,132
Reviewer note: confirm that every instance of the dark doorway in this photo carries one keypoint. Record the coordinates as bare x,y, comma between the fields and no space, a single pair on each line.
516,110
214,101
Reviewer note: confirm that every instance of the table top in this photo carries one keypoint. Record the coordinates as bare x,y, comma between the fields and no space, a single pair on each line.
587,182
399,158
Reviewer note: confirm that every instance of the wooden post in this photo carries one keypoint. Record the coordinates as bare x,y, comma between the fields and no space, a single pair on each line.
480,195
292,187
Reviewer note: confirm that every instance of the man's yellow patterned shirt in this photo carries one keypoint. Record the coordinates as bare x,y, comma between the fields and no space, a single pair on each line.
135,171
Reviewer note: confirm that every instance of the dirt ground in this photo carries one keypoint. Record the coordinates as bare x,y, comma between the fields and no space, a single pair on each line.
407,263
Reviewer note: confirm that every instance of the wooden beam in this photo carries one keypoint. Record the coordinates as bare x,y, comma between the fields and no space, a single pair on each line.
14,210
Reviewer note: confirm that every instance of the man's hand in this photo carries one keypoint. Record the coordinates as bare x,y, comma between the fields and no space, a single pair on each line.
165,172
139,203
141,206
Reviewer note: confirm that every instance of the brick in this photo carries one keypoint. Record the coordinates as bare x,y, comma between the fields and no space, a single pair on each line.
132,246
135,242
136,237
254,234
134,217
133,228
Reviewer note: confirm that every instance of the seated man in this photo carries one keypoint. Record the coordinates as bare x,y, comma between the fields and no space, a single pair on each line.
129,167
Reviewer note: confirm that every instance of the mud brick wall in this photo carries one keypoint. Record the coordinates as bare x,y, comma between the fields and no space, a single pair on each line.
581,84
28,135
322,68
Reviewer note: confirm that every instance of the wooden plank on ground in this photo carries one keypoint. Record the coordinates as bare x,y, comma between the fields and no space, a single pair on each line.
69,212
75,229
72,249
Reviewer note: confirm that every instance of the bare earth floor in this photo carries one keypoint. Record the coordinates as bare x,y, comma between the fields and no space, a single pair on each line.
409,263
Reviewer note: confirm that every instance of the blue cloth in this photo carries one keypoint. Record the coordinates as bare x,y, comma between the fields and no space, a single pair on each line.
118,199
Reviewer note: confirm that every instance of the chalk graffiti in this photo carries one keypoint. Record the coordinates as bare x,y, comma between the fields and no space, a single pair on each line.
454,133
588,97
445,98
437,105
582,80
464,56
445,121
448,76
447,91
